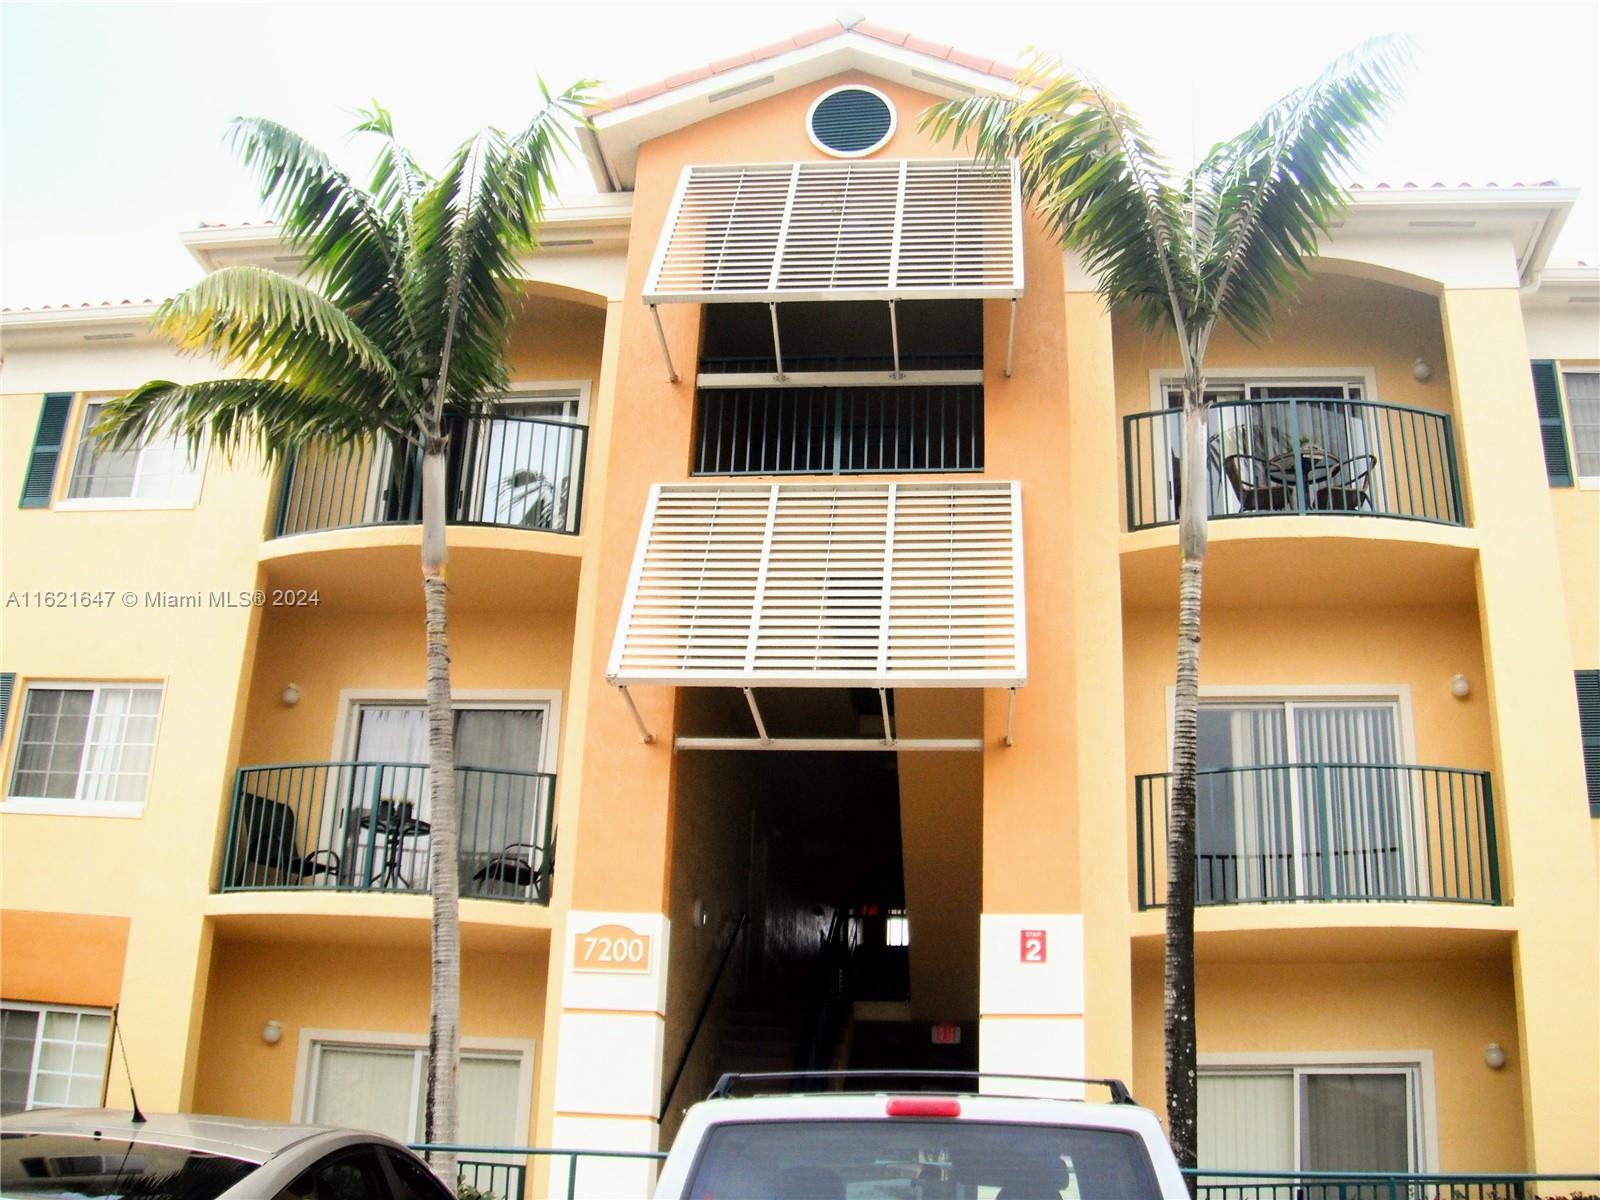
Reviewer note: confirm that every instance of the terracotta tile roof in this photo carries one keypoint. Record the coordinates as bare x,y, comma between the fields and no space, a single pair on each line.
81,304
233,224
1386,186
799,41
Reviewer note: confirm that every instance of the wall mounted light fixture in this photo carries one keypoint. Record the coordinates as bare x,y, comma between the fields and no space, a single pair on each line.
1422,370
1494,1055
272,1033
291,694
1460,686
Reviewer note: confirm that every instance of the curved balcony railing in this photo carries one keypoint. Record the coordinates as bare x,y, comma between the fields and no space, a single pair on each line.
1286,456
364,827
511,472
1327,831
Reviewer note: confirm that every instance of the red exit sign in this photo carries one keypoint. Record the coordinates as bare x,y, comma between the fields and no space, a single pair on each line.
1033,946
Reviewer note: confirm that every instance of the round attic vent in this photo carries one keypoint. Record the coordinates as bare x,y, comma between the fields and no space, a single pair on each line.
850,121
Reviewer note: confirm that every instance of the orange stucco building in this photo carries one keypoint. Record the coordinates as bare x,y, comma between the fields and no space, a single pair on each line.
813,618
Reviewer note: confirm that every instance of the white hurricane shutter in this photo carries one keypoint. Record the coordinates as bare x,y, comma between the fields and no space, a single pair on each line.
826,584
913,229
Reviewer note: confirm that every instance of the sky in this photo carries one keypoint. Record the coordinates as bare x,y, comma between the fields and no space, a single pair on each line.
112,115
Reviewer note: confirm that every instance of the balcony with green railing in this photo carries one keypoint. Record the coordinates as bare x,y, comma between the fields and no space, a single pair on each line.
507,472
364,827
1299,457
1345,832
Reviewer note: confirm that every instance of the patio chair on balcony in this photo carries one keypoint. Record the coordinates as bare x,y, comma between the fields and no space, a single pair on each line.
514,870
1347,487
271,844
1258,486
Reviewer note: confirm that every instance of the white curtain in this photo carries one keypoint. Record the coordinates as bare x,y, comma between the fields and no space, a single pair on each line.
1243,820
1354,1122
365,1087
1247,1121
1363,807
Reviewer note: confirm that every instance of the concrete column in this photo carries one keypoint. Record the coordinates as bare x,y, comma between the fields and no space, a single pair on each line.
1546,848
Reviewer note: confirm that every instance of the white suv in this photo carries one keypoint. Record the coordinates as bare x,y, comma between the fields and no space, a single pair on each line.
917,1145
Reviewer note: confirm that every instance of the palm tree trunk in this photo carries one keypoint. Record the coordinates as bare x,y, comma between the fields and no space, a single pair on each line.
444,1027
1182,1087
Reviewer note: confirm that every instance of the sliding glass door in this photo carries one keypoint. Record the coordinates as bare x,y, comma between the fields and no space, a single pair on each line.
1298,799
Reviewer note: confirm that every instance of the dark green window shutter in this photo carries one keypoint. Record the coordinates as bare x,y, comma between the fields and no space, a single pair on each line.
1589,723
47,441
1552,428
8,680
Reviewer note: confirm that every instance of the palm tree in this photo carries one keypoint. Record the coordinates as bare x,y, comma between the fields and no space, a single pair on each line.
397,327
1226,242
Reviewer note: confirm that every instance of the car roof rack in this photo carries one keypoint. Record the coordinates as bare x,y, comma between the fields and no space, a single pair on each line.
725,1085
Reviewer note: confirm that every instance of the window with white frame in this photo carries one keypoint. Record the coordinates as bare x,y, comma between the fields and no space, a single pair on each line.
1582,388
383,1087
89,744
51,1057
160,472
1322,1117
528,457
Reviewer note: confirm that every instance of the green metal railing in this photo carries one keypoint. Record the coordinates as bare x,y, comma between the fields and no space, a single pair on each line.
1299,456
513,472
565,1166
362,826
1327,831
1378,1185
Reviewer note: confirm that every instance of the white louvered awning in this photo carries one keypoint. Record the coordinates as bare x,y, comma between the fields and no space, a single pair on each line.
876,585
929,229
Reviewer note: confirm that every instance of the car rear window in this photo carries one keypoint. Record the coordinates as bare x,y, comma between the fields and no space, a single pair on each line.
920,1160
66,1167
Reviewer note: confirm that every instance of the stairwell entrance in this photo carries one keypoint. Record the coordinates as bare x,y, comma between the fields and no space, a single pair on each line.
824,903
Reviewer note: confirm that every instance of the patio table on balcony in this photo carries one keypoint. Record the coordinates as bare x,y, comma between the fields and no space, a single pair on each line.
395,822
1305,472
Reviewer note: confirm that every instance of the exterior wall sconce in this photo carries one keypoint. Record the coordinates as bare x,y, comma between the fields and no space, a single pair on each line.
1494,1055
291,695
1422,370
1460,686
272,1033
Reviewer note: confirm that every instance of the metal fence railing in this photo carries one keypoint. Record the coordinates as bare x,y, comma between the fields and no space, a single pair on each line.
838,431
514,472
568,1169
363,826
1327,831
1355,1185
1287,456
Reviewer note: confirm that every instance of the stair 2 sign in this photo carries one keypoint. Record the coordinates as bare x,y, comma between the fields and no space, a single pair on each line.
1033,946
613,948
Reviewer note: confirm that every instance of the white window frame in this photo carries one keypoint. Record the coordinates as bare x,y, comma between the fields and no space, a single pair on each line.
894,122
44,1010
78,807
69,503
533,390
306,1061
1162,378
347,726
1417,1065
1588,483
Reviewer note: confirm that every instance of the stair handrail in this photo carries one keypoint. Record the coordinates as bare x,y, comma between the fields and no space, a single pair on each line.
836,948
700,1017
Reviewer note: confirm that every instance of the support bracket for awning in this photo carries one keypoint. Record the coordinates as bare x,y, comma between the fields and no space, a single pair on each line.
666,352
645,735
888,724
831,745
777,344
1011,336
1011,714
755,712
894,339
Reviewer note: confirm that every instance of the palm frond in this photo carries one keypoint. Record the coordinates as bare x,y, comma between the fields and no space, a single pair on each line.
351,251
1089,169
1278,185
272,417
266,324
471,226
